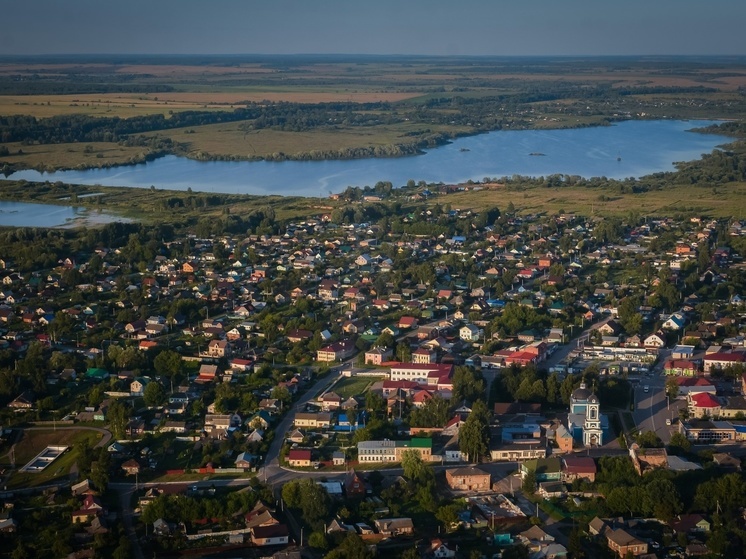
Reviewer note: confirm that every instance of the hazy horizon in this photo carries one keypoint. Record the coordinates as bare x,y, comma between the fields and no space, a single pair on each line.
390,27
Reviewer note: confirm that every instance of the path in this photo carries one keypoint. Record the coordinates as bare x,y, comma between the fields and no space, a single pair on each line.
271,467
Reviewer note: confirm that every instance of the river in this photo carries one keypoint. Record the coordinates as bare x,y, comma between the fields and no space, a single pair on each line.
26,214
627,149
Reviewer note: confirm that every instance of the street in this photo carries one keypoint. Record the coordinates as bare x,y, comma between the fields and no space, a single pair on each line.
652,408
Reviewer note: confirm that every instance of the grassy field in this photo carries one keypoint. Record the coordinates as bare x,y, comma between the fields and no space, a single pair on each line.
231,139
33,442
726,201
127,105
70,155
354,386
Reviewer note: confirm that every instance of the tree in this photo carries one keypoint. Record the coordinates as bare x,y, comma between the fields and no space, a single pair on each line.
679,443
385,340
448,516
467,385
404,352
154,394
100,471
575,544
413,466
310,498
474,435
352,547
553,386
317,540
168,363
649,439
529,482
118,416
435,413
672,388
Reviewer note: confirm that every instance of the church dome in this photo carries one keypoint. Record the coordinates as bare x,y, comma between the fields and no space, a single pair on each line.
593,399
581,394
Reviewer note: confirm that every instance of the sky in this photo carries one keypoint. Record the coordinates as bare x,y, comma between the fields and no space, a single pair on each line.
430,27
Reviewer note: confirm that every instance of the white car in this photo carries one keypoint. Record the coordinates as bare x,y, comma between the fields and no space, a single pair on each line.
646,388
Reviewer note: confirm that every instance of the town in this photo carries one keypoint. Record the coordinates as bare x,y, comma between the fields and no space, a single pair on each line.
433,382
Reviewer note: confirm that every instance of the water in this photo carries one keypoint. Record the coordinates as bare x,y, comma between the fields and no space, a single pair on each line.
24,214
626,149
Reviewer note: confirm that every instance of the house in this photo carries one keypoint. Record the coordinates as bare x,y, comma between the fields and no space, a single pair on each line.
392,451
137,386
338,351
256,436
675,322
84,515
337,526
24,401
391,527
545,469
378,355
406,322
563,438
470,333
687,523
338,457
244,460
721,360
597,526
703,404
260,420
275,534
424,356
218,348
354,485
442,550
654,341
578,467
295,436
468,478
174,427
299,458
131,467
217,421
207,373
315,420
296,336
623,543
330,401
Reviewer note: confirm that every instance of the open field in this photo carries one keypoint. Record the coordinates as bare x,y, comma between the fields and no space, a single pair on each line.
106,104
354,386
725,201
32,442
57,156
127,105
233,139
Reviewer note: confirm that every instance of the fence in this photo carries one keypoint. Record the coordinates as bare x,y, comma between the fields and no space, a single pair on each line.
193,537
217,471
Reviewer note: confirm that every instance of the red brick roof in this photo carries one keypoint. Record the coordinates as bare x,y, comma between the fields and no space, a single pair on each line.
705,400
299,455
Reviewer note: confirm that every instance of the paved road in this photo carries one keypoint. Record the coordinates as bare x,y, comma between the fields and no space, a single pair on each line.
271,472
653,408
563,351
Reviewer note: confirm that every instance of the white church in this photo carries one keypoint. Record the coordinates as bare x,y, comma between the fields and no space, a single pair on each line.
585,421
